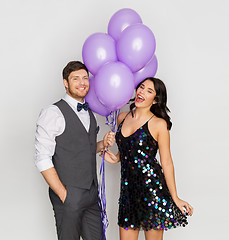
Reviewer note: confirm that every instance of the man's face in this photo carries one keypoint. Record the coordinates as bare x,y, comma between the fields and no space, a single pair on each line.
77,85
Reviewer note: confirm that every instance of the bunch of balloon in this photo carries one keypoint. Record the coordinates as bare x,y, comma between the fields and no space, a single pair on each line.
118,61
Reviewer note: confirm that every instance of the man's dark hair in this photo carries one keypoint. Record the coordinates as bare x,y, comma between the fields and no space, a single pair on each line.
71,67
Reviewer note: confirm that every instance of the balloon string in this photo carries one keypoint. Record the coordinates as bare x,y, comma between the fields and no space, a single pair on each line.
102,194
102,198
113,119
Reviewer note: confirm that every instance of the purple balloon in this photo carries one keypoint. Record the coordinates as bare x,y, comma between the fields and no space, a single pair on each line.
149,70
136,46
98,49
122,19
94,103
114,85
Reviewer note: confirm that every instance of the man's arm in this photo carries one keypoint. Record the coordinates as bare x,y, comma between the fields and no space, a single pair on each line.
49,125
51,177
100,146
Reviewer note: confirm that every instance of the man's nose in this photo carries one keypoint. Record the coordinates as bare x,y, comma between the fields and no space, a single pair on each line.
82,80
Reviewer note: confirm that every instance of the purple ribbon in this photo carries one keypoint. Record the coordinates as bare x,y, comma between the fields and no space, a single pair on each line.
102,194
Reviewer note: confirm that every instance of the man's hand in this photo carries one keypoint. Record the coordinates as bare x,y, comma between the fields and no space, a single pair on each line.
63,195
51,177
109,138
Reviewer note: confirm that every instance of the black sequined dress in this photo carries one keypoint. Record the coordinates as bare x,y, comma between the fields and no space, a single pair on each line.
145,201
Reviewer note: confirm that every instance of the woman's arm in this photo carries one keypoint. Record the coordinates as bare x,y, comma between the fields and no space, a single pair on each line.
108,140
166,159
110,156
168,167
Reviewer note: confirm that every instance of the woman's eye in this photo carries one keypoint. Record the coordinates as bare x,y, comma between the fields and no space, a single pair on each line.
149,92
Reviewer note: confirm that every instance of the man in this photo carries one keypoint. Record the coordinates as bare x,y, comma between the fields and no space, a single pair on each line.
66,148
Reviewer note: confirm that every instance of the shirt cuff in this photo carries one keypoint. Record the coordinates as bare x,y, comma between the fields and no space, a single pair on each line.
44,164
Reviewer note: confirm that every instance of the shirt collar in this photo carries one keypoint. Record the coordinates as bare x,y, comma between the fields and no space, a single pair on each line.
73,102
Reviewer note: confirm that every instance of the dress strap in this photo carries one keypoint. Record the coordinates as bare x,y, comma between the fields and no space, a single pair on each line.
123,120
151,118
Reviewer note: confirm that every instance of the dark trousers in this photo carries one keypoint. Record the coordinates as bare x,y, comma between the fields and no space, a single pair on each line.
79,215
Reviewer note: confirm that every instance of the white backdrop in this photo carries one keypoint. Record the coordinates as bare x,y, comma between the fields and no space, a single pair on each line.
38,38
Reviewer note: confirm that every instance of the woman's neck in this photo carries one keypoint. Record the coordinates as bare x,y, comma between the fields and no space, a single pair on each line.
142,112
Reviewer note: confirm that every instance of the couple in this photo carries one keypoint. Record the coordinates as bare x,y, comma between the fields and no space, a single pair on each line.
66,146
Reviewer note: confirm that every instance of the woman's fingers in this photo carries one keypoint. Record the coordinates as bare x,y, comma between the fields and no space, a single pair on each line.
186,208
182,210
110,136
190,210
182,206
109,152
109,155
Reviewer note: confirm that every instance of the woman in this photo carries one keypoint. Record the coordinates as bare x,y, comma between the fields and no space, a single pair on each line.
148,197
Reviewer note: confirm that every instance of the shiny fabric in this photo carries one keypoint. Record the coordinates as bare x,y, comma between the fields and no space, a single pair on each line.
145,201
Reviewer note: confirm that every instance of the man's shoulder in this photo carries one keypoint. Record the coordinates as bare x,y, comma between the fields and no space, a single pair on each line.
50,111
50,108
53,107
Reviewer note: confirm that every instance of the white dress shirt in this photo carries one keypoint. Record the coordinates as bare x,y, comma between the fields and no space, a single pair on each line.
50,124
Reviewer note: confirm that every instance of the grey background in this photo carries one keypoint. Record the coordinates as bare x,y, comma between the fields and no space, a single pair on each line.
39,37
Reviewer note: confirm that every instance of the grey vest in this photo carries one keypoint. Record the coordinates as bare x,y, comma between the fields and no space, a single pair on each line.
75,153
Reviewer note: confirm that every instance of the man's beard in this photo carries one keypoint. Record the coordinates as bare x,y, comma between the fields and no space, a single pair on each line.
74,95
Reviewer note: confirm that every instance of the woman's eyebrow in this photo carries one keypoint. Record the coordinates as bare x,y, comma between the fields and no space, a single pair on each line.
151,89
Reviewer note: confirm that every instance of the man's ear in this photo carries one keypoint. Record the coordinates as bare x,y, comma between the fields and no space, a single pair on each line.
65,83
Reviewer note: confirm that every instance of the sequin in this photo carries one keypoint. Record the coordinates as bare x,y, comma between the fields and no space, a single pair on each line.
145,201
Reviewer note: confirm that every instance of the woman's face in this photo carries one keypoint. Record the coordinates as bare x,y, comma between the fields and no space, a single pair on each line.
145,95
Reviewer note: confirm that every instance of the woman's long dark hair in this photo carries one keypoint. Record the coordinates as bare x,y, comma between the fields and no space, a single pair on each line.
159,109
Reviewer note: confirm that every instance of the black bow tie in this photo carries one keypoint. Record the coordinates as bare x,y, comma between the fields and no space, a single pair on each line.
81,106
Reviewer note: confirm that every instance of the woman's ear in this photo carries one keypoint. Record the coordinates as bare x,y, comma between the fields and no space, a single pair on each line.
155,100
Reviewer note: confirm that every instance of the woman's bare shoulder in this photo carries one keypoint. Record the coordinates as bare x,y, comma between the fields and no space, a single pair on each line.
159,123
121,116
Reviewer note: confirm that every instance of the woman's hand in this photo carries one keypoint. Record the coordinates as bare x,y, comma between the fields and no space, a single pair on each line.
109,156
109,139
184,205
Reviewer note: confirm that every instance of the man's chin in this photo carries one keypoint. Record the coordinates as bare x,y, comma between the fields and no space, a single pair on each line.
81,95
